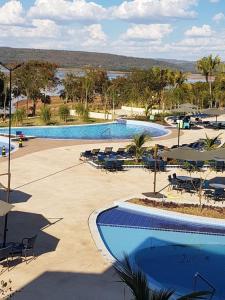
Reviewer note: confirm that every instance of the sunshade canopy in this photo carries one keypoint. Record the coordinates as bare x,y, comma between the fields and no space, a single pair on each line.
5,208
184,109
188,105
214,111
189,154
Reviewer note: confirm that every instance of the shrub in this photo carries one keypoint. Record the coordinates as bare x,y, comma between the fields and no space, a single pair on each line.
64,112
45,114
19,116
82,111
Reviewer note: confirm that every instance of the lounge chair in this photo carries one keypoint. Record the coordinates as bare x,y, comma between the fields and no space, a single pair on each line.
109,165
121,151
86,154
108,150
119,165
95,152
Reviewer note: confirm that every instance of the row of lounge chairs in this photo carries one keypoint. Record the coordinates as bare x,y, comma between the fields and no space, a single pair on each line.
90,154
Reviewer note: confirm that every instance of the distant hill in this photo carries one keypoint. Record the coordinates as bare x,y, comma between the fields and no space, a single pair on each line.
78,59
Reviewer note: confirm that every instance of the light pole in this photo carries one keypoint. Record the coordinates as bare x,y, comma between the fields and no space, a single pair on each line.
10,70
155,166
178,137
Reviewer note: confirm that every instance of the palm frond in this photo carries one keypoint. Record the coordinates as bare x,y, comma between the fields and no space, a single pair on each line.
202,295
161,294
134,279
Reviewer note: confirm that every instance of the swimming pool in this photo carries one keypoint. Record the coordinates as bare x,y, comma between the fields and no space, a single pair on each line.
4,142
169,251
115,130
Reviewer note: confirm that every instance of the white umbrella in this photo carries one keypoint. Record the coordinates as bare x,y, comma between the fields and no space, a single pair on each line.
5,208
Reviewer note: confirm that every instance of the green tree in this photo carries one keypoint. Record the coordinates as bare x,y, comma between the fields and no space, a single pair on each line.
18,116
207,66
45,114
4,92
34,77
72,91
137,144
64,112
211,143
82,112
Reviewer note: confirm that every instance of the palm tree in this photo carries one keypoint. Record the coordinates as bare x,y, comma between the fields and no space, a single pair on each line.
211,143
137,282
137,145
207,65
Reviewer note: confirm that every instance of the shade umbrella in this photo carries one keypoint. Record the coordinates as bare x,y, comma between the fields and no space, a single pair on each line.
214,112
5,208
188,105
184,109
188,154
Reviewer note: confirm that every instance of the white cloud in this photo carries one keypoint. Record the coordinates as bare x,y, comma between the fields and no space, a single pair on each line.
39,29
204,31
67,10
154,9
11,13
147,32
46,34
219,17
95,35
214,1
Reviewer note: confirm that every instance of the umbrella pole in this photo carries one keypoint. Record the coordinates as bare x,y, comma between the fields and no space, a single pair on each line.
9,156
155,167
178,138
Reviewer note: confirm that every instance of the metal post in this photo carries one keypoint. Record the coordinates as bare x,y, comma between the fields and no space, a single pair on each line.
155,167
9,150
9,156
178,138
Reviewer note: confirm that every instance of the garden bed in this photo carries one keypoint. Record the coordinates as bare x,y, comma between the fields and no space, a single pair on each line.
190,209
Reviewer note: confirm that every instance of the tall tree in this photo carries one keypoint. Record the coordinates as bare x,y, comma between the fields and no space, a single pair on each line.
207,66
34,77
4,92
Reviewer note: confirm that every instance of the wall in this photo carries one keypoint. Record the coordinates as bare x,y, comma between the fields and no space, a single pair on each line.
94,115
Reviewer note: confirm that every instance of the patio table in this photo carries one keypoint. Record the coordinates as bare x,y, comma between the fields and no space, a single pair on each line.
217,186
185,178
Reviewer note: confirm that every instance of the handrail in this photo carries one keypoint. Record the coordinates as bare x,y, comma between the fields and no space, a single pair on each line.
105,131
198,275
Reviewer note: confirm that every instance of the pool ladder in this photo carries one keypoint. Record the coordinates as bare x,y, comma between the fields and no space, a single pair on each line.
104,132
199,276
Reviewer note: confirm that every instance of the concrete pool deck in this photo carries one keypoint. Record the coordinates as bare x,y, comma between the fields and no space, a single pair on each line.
54,195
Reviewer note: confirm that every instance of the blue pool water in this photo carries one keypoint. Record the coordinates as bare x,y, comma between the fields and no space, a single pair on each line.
4,143
168,251
99,131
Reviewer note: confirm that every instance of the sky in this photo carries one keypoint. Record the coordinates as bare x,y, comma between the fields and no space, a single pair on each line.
169,29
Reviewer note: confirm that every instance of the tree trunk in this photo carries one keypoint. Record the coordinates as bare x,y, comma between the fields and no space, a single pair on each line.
34,108
5,99
27,103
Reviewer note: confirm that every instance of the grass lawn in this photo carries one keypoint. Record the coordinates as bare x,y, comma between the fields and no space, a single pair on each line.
190,209
36,121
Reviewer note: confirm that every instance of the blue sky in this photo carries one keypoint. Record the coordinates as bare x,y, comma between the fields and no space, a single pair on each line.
179,29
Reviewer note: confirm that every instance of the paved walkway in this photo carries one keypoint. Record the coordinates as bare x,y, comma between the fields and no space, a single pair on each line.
54,195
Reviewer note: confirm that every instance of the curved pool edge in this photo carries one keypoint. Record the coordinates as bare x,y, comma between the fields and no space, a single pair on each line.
138,123
13,144
105,252
122,203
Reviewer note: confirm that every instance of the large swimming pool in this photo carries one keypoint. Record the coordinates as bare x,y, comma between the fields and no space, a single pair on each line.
115,130
169,251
